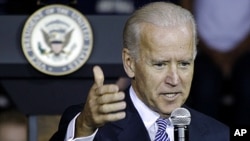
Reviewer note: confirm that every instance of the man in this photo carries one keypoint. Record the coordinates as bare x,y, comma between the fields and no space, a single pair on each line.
158,55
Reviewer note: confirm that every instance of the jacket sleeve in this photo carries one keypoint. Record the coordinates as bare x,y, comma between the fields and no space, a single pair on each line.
67,116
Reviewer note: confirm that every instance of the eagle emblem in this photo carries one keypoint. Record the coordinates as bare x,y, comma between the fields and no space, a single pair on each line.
56,39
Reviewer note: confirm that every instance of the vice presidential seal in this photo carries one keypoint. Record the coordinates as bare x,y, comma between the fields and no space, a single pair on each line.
57,40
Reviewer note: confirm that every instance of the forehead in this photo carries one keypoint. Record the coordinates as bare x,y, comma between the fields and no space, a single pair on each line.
160,39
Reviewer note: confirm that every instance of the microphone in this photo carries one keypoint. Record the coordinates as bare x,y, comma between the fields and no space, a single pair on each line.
180,118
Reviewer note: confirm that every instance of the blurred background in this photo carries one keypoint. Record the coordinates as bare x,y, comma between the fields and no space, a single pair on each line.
221,84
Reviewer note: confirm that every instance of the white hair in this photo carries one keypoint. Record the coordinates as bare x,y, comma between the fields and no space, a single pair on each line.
162,14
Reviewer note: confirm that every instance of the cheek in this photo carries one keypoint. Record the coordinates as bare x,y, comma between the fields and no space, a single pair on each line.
142,74
146,82
187,81
151,81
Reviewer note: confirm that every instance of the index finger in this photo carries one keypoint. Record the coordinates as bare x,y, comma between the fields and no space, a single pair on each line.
98,76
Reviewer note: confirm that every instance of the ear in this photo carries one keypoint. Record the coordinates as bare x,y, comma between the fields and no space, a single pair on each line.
128,63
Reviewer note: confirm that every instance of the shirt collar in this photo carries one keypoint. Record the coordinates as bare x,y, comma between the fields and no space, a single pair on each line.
148,116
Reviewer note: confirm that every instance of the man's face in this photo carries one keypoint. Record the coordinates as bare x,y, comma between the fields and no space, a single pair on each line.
164,69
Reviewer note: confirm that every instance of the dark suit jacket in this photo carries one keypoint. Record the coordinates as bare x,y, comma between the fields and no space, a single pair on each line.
131,128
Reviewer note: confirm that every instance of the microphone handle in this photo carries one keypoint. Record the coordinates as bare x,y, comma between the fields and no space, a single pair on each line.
181,133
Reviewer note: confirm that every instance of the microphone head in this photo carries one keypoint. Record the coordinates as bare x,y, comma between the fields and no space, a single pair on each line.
180,117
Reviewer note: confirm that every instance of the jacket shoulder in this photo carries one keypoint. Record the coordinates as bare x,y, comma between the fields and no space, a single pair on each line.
207,127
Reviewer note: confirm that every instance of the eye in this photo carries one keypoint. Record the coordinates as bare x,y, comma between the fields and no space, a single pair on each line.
159,65
184,64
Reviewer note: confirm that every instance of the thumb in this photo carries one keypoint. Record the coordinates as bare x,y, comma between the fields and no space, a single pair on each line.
98,76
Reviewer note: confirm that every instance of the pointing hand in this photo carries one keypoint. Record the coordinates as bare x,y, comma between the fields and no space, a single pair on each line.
104,104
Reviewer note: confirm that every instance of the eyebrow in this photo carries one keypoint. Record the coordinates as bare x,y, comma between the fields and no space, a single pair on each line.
167,59
158,60
188,59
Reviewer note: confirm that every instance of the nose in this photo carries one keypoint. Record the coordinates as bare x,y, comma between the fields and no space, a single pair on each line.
172,77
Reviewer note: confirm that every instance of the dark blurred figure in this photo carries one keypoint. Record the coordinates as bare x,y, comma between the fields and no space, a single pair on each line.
5,100
13,126
113,6
3,6
18,7
222,69
13,123
27,7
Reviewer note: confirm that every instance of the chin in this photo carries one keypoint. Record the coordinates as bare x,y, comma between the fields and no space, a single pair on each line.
170,108
167,112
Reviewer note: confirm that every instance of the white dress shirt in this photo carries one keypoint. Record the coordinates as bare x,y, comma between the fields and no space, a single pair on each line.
148,117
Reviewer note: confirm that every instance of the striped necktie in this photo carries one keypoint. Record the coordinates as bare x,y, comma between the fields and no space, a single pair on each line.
161,134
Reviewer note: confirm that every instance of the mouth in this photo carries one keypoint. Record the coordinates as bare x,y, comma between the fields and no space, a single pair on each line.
171,96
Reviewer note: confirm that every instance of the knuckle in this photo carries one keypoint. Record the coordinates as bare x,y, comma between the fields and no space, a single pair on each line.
111,88
100,100
102,109
124,105
121,95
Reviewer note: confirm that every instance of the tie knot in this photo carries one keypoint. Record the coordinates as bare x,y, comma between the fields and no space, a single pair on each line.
162,124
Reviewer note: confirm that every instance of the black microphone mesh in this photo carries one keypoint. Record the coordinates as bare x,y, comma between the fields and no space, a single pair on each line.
180,117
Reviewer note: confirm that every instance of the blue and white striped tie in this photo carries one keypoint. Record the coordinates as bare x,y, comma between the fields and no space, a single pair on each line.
161,134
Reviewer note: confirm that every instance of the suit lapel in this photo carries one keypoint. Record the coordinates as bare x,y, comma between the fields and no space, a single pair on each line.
132,127
134,130
197,128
